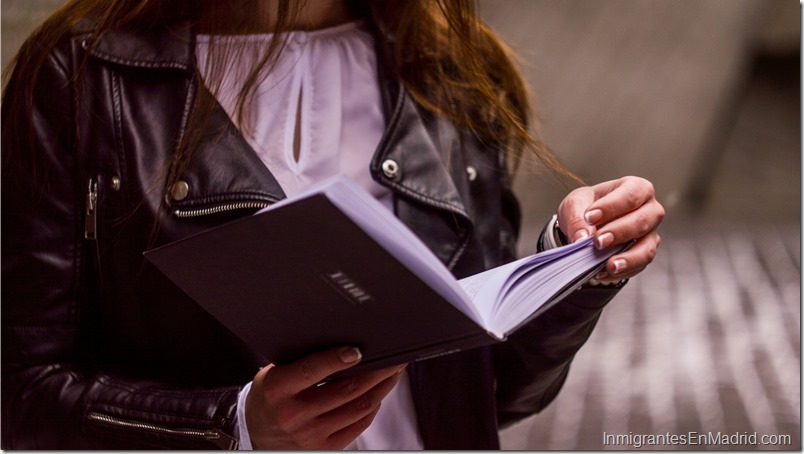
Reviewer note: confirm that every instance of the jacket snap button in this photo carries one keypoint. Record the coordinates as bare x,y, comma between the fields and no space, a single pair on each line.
471,171
179,190
390,168
115,183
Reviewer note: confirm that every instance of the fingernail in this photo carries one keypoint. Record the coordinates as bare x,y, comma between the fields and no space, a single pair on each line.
620,265
350,355
581,235
593,216
604,240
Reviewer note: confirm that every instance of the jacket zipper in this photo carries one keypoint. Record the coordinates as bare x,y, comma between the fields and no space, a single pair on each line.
219,209
91,218
215,436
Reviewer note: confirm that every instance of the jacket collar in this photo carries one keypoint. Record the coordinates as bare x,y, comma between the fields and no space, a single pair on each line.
246,181
170,46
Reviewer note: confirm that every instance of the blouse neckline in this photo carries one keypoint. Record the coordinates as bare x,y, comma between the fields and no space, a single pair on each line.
345,28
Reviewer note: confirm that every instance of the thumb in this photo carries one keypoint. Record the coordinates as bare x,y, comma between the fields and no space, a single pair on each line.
571,214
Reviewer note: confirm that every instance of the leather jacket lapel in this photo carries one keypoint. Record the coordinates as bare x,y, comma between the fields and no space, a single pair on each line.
418,150
422,172
225,169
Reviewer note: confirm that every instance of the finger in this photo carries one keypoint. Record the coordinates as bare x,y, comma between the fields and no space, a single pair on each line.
295,377
343,437
571,214
342,425
335,394
358,408
633,261
618,197
633,225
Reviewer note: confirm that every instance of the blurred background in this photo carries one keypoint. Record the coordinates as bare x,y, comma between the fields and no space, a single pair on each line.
702,97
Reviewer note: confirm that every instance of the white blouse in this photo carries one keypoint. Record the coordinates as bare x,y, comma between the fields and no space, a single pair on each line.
317,114
326,81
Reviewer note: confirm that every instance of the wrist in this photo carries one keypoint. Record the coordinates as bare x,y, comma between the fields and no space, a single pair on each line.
552,236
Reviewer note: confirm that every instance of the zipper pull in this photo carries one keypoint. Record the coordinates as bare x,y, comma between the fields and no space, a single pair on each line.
221,440
90,220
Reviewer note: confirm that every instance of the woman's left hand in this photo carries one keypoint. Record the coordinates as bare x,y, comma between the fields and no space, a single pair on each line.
615,212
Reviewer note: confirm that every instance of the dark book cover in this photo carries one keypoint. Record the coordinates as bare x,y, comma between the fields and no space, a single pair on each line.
305,277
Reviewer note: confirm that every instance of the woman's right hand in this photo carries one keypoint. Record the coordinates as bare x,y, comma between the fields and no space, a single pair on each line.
288,408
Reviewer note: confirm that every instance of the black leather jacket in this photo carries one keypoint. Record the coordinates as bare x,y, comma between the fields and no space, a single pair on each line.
100,351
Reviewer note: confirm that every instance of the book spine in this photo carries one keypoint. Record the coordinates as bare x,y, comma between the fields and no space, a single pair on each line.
422,354
456,346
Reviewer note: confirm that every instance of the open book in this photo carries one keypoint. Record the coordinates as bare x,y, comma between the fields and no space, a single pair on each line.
332,267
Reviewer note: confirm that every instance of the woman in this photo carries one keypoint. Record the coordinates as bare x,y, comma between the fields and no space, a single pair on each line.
128,124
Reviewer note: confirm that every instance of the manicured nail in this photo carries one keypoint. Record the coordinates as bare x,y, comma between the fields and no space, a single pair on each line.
604,240
581,235
620,265
592,217
351,355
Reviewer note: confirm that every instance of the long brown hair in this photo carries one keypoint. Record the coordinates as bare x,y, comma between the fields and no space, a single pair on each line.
449,61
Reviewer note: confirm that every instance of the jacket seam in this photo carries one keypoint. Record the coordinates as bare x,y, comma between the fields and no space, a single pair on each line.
455,257
62,67
184,416
95,405
189,102
155,391
38,328
429,200
78,176
153,64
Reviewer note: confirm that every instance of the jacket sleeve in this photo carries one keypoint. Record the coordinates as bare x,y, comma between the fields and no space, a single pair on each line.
533,363
53,395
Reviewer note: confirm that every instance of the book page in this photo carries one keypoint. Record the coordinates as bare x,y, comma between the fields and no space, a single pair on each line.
537,284
489,288
483,289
